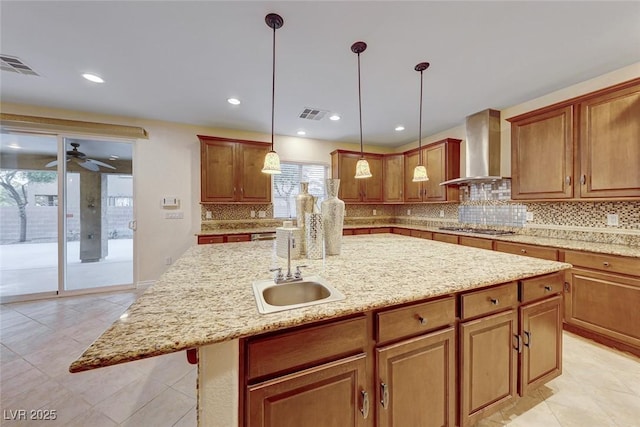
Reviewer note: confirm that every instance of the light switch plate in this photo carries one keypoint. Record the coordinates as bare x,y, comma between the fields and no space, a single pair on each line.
208,215
612,220
253,214
174,215
441,213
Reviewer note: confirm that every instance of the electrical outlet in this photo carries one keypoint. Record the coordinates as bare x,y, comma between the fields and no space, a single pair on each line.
262,214
529,216
612,220
374,212
208,215
253,214
168,261
408,212
441,213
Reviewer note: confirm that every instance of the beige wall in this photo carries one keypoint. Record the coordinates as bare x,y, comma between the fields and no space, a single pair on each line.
169,164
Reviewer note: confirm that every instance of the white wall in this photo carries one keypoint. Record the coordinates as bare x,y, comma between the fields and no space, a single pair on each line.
169,164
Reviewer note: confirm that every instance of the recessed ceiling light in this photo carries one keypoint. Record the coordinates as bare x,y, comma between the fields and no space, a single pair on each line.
14,146
399,128
93,78
301,132
334,117
233,101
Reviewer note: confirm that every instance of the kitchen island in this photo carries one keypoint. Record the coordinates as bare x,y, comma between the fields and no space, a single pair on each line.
205,301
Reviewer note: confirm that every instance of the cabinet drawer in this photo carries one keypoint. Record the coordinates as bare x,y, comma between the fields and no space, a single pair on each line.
476,242
381,230
291,351
207,240
490,300
528,250
447,238
541,287
414,319
238,238
612,263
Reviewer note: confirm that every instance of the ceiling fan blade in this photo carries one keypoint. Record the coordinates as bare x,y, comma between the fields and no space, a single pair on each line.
99,163
51,164
88,165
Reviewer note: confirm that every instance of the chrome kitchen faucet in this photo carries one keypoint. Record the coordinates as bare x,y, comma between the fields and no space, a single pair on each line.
295,277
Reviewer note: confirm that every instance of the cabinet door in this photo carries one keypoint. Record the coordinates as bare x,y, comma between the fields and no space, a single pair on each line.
541,333
604,303
217,171
372,187
349,186
417,382
542,155
610,144
488,365
393,178
434,159
412,190
330,395
254,186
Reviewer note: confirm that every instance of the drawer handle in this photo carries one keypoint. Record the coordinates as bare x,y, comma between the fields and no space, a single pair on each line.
518,343
548,288
422,320
365,404
606,264
384,392
495,301
528,342
524,251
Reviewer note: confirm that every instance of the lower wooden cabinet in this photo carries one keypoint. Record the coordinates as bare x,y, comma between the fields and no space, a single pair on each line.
329,395
417,381
541,347
488,365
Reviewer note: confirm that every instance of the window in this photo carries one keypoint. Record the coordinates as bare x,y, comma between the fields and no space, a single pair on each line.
286,186
46,200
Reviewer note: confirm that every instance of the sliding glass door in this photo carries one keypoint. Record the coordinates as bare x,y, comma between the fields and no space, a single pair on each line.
64,235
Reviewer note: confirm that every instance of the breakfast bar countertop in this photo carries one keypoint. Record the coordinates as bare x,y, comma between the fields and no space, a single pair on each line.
206,296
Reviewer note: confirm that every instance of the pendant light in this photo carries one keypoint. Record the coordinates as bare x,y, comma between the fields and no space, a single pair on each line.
271,160
420,172
362,167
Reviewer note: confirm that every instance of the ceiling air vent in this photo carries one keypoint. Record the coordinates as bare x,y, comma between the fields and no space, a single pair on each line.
313,113
15,65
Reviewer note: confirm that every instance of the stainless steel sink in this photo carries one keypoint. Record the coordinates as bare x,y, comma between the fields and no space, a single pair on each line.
271,297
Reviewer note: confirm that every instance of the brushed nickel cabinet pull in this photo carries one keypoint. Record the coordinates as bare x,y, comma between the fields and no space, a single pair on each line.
567,180
567,287
528,335
548,288
384,393
518,345
606,264
524,251
365,404
422,320
495,301
583,179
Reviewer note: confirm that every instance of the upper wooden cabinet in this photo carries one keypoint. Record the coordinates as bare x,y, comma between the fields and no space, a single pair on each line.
352,190
393,189
586,147
442,160
610,144
542,155
230,171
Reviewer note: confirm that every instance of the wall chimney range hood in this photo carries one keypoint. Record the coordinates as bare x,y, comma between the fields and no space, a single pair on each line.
483,149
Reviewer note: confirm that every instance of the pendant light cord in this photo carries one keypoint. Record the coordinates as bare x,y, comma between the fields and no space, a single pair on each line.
273,85
360,108
420,122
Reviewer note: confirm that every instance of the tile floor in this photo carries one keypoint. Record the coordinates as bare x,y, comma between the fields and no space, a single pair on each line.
599,387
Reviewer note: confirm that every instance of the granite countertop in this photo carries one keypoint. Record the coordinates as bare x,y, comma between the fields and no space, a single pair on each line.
206,296
578,245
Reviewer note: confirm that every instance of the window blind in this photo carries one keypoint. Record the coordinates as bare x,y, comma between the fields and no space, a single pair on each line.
286,186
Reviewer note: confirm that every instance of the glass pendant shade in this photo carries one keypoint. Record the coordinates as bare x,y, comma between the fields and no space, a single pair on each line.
362,169
420,174
271,163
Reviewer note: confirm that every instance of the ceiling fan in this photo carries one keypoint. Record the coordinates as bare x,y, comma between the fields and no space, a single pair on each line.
81,159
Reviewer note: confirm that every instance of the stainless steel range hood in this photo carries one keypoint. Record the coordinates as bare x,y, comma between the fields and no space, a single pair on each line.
483,149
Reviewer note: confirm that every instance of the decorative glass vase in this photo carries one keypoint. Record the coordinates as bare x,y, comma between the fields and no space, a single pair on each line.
304,205
313,235
332,218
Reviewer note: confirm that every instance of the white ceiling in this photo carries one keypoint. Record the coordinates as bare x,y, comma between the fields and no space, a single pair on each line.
179,61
